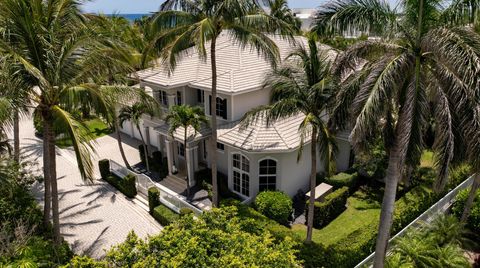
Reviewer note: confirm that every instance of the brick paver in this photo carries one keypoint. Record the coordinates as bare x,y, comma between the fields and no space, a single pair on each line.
93,216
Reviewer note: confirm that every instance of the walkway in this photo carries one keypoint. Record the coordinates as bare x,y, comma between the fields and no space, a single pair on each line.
96,216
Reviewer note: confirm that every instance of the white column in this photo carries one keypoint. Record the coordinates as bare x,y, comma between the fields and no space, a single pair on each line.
171,100
192,164
169,149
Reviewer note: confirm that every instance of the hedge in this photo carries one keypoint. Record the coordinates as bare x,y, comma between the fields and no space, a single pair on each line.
185,212
125,185
473,221
327,211
164,215
343,180
141,151
275,205
153,198
104,167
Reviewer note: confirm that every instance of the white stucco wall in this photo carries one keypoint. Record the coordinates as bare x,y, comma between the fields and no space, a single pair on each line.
343,155
245,102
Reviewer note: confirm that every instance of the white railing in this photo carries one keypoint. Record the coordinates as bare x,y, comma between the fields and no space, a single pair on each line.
441,206
167,197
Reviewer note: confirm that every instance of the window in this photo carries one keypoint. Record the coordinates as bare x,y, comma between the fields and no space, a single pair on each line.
221,108
179,98
200,96
205,155
241,174
162,97
267,175
181,149
220,146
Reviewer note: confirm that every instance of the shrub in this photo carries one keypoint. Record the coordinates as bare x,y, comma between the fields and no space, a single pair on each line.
343,179
275,205
157,158
458,175
85,262
141,151
125,185
104,166
185,211
153,198
328,210
473,221
164,215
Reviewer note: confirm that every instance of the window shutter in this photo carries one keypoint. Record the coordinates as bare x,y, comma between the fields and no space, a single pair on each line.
224,104
199,96
210,105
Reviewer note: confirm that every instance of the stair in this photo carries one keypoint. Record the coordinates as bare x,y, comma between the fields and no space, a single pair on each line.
175,184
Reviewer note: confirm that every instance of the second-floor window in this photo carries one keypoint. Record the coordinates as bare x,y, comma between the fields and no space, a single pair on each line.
162,97
179,98
221,109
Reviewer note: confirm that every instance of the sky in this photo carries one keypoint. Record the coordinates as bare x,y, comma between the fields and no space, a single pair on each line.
146,6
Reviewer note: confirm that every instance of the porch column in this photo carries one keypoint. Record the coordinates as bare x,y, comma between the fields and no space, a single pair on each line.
192,164
171,100
169,150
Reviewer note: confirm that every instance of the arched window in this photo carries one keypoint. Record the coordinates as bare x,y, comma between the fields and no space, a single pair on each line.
267,175
241,174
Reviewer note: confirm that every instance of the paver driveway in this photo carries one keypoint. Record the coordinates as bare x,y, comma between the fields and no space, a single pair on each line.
93,217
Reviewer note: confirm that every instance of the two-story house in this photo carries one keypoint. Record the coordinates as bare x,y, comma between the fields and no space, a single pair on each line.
254,159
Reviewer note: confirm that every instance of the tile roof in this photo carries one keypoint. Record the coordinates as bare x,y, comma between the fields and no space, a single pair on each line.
239,69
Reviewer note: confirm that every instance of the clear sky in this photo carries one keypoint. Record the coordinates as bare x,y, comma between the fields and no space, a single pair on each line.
146,6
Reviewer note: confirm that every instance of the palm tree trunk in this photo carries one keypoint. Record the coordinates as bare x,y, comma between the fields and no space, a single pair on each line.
51,165
313,182
471,197
47,207
388,204
213,112
120,146
186,161
16,136
145,151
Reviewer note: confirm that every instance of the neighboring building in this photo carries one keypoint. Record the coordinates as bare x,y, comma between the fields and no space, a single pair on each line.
306,15
254,159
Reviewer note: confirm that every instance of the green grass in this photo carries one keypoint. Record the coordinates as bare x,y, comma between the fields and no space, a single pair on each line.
97,128
427,159
363,208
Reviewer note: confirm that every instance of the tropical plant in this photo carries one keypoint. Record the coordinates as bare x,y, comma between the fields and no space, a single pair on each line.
279,9
422,66
303,85
51,45
134,114
184,24
187,117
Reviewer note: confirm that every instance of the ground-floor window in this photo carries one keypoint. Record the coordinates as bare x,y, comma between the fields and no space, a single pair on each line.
181,149
241,174
267,175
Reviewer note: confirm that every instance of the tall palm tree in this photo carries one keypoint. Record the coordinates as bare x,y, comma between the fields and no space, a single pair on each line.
279,9
50,43
134,114
185,116
420,59
303,85
184,24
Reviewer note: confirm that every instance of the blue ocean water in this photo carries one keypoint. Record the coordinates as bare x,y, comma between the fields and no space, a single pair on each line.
130,17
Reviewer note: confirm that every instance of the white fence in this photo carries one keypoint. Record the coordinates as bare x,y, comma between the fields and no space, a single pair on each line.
167,197
441,206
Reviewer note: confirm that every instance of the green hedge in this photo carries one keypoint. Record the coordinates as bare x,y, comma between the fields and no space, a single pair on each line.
164,215
185,212
142,153
125,185
327,211
153,198
104,167
343,180
473,221
275,205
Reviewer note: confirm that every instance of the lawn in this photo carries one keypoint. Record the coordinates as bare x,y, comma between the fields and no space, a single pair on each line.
363,209
427,159
97,128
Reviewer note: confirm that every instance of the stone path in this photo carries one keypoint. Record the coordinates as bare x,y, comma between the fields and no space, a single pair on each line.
93,216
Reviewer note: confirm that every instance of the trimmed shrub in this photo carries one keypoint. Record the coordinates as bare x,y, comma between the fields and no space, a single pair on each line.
141,151
458,175
125,185
164,215
275,205
327,211
473,221
185,211
343,180
157,157
153,198
104,166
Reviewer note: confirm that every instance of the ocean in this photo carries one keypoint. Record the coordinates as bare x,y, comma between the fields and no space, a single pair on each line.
130,17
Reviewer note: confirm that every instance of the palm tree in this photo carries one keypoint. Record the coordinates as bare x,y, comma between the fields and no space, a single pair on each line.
184,24
50,43
303,85
471,198
134,114
185,116
279,9
420,60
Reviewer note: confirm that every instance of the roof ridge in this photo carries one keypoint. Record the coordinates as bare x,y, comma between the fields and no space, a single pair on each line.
281,137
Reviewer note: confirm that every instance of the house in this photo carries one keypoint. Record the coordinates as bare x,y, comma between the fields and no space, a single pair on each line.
254,159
